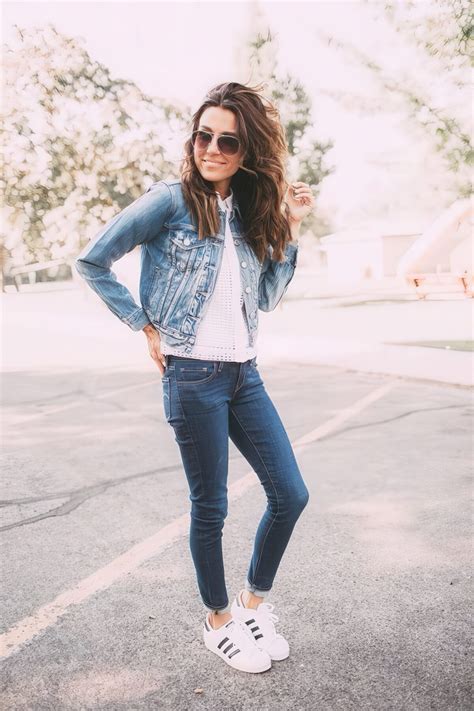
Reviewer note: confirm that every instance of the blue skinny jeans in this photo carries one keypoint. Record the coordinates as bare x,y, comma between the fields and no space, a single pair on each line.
206,402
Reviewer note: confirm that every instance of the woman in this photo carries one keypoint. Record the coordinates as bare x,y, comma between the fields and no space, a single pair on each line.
217,245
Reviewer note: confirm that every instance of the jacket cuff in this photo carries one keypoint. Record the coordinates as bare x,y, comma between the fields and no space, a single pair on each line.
291,253
137,320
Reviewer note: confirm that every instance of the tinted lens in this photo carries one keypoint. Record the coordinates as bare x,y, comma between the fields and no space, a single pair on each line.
228,145
201,139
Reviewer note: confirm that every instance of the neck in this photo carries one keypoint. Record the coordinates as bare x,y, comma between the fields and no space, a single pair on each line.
223,188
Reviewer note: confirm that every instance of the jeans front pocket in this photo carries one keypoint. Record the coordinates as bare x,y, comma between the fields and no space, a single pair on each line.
196,373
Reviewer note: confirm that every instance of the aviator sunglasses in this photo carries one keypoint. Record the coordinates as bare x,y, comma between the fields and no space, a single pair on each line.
228,145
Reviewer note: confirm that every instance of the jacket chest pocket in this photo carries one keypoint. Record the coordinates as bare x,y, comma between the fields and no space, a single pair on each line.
186,250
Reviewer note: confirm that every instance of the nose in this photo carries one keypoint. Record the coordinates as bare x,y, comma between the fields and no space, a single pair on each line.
213,147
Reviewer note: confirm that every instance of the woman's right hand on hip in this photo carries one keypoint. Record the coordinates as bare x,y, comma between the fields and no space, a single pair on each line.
154,346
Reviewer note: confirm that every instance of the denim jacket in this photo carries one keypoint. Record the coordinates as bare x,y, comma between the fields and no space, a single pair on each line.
178,271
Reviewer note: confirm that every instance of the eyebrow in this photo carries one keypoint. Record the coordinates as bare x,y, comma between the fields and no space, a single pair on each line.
226,133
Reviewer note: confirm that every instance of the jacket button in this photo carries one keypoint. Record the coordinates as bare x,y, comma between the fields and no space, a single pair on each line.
236,241
187,241
248,289
244,264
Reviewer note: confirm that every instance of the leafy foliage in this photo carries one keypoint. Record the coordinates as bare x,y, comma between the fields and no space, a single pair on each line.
78,145
307,153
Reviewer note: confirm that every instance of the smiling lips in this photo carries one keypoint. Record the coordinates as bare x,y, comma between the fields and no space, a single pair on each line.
212,162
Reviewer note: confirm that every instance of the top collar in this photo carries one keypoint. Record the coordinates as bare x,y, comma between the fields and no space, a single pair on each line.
229,204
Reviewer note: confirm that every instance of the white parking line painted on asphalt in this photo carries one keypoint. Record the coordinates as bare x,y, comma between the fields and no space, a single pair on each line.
345,414
29,627
239,487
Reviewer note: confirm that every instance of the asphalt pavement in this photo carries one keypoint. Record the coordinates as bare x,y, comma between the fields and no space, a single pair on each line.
100,605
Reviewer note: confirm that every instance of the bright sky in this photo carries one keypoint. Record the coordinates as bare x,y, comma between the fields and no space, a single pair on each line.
178,50
153,43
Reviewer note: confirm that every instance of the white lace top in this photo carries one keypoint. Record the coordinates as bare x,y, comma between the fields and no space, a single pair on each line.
222,332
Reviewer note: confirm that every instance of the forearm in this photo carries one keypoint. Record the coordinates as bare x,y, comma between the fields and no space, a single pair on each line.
140,222
295,230
116,296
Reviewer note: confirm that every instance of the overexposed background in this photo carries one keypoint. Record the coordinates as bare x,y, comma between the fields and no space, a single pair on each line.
383,96
384,161
368,359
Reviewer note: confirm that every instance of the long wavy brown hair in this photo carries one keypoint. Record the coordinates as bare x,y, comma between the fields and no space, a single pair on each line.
259,185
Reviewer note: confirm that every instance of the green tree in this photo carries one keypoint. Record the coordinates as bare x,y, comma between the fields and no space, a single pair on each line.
442,30
431,80
307,161
77,144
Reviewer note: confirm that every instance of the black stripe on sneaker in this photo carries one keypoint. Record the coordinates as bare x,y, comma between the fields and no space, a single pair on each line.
232,653
228,647
254,629
249,622
257,636
207,626
223,641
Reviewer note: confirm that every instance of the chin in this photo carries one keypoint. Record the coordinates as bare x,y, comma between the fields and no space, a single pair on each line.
212,171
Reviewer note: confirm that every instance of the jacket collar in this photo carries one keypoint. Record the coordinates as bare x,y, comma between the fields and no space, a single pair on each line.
236,207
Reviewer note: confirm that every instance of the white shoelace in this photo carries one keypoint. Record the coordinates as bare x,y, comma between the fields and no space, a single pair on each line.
266,618
243,634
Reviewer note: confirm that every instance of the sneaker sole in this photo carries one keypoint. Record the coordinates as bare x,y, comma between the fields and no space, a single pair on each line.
233,664
279,659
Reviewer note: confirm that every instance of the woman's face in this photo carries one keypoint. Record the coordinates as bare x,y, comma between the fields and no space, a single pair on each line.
211,163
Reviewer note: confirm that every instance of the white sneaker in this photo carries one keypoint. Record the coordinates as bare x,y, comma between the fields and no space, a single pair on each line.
235,644
261,622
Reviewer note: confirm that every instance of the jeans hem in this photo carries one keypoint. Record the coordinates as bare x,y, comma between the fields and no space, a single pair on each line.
256,591
219,610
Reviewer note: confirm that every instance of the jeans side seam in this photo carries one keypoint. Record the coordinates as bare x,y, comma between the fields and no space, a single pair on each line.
197,459
271,481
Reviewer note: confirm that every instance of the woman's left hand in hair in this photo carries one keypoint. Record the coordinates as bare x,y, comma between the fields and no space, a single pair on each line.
300,200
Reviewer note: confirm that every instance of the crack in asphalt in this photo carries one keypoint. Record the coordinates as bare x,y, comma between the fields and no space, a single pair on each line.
79,496
86,393
117,406
75,497
391,419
